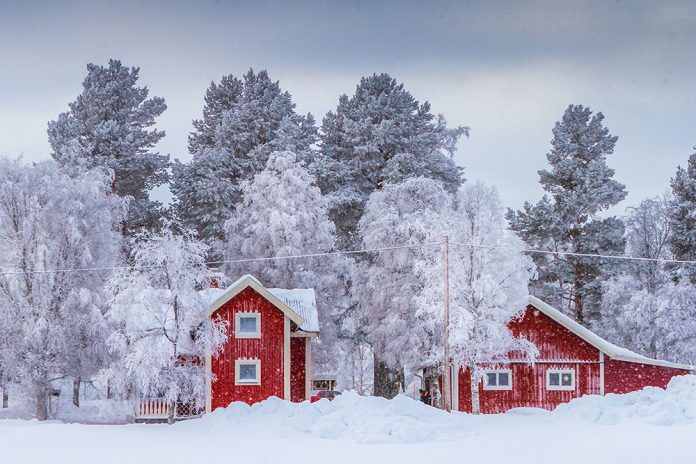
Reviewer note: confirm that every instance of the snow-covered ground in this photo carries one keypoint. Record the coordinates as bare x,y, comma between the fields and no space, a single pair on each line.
650,426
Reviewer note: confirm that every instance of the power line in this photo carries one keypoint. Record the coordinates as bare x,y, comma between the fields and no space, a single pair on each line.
580,255
232,261
367,250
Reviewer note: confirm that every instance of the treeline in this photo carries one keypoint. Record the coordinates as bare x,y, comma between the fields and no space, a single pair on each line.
104,285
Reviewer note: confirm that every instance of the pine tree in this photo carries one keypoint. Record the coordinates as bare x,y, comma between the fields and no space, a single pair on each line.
108,126
682,214
580,185
380,135
243,123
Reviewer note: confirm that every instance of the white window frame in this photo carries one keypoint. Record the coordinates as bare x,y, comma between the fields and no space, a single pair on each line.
238,334
486,386
560,387
246,362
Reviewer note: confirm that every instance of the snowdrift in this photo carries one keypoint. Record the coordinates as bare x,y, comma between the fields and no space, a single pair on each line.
404,420
350,416
673,406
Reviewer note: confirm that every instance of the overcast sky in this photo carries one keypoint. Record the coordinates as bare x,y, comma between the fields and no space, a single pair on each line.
506,69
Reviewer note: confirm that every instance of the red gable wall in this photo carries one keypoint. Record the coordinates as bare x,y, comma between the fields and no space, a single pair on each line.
552,339
268,348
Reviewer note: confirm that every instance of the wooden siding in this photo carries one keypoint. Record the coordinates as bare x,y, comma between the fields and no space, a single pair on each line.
298,370
529,387
268,348
624,377
553,341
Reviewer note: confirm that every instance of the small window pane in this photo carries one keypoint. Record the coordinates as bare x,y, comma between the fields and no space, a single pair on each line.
491,378
503,379
567,379
554,379
247,324
247,372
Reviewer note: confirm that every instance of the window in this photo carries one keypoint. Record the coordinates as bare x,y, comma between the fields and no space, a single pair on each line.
499,379
560,379
247,372
247,325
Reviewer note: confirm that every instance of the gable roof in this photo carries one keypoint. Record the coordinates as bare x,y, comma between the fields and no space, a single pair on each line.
298,305
615,352
304,302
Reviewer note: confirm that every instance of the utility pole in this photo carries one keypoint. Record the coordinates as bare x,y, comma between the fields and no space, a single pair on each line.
446,379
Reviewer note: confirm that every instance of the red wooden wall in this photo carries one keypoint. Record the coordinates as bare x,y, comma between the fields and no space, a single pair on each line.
268,348
553,341
559,348
624,377
298,370
529,388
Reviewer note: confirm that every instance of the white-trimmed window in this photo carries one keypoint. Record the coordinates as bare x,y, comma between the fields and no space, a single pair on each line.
247,325
497,379
560,379
247,372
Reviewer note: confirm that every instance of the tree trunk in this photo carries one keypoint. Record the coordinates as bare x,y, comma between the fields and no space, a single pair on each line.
5,397
170,412
577,290
76,391
475,400
387,381
42,403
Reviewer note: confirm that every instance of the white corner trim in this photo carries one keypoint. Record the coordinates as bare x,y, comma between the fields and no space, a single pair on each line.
454,381
241,362
601,373
208,382
286,359
308,368
560,372
486,386
240,314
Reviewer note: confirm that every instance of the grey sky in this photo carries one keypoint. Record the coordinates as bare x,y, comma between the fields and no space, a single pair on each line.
507,69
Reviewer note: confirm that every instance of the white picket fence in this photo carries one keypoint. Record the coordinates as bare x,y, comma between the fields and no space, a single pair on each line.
158,409
152,408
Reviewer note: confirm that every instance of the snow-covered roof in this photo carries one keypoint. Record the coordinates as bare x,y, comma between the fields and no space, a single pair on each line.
609,349
300,305
304,302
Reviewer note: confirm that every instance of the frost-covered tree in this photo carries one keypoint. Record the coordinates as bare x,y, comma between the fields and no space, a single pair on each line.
243,123
401,291
643,308
50,224
380,135
647,233
580,186
283,213
682,241
109,125
489,275
157,312
386,284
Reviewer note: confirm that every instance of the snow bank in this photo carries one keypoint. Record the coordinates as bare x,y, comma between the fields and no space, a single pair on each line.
673,406
350,416
404,420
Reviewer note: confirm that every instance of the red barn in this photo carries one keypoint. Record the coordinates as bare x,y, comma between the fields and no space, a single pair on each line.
572,362
268,350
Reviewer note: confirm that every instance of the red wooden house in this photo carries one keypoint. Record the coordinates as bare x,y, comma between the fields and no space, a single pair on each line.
572,362
268,350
